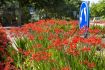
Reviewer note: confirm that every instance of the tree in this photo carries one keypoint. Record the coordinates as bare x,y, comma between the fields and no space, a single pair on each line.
54,8
93,10
98,9
51,8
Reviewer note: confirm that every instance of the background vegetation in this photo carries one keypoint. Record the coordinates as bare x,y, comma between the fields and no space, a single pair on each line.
98,9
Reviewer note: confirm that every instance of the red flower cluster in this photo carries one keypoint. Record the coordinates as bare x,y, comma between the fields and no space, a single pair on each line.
57,42
40,37
1,66
31,37
94,31
41,55
66,68
58,38
60,43
93,40
85,49
90,65
26,53
37,46
8,63
1,49
3,38
57,30
103,45
72,50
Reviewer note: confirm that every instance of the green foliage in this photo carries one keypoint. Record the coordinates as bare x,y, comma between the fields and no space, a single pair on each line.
62,9
56,8
98,9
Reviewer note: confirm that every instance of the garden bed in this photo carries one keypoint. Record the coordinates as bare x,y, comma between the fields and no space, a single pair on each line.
55,45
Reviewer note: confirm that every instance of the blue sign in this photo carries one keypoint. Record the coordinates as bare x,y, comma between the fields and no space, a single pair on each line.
84,15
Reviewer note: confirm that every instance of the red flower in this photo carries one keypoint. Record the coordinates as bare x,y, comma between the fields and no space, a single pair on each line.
3,37
50,46
94,31
82,31
85,62
10,60
40,22
72,52
40,38
91,65
7,66
73,45
65,41
72,31
1,66
62,22
66,68
38,56
31,37
94,40
103,45
39,45
51,36
57,42
26,53
37,29
20,50
74,22
85,49
76,39
57,30
1,49
51,21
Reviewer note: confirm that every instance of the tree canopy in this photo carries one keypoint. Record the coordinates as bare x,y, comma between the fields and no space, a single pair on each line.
62,9
98,9
56,8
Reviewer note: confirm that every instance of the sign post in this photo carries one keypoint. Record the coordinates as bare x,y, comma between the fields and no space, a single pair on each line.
84,17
